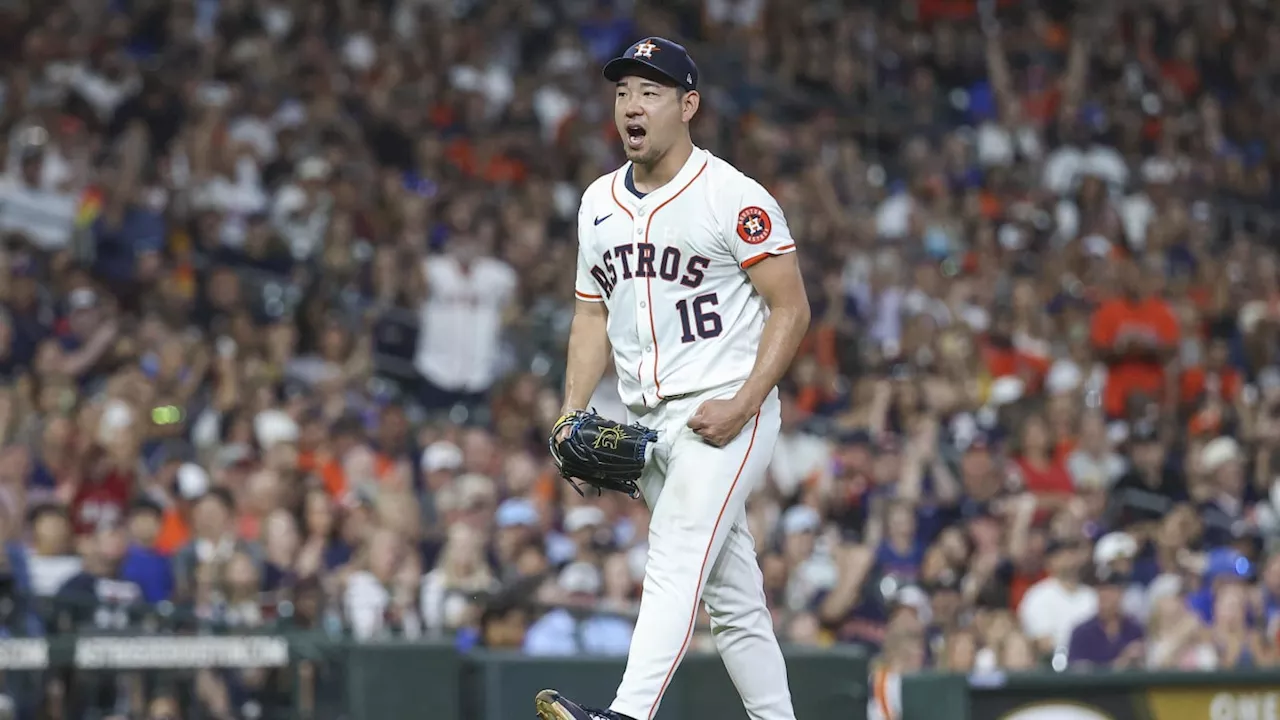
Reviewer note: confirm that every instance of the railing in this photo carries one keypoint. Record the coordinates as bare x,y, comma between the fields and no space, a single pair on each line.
1097,695
310,676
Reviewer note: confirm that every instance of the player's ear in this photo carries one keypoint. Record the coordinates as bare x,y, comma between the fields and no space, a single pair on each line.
689,103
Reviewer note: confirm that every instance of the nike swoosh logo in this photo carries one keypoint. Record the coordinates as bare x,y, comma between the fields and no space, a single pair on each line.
602,219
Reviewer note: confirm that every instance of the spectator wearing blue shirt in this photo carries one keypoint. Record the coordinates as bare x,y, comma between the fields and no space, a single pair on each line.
129,246
91,331
901,553
143,564
29,319
129,234
16,575
1111,638
1271,596
559,633
52,461
1223,566
606,30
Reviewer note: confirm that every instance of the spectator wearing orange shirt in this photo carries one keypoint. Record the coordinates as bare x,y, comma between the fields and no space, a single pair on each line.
1214,377
191,482
327,462
1043,474
1135,334
1003,358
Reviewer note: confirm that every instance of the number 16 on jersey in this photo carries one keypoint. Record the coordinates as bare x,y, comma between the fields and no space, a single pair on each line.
698,318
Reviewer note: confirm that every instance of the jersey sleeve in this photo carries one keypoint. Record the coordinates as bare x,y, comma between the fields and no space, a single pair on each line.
757,227
585,287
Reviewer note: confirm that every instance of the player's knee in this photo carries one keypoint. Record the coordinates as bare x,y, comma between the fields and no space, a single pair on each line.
728,616
682,535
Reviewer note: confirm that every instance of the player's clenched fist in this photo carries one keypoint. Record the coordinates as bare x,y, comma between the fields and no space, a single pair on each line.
719,421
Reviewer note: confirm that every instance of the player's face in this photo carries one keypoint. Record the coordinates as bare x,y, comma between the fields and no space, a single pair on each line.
650,117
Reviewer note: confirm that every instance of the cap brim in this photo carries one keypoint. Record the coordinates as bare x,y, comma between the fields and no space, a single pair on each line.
618,68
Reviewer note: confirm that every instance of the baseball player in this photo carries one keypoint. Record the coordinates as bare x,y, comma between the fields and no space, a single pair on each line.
687,269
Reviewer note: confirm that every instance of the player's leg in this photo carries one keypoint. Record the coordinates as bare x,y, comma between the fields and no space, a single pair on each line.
550,704
743,629
705,491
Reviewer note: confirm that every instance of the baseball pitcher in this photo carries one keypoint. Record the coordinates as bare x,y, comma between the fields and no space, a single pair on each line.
687,270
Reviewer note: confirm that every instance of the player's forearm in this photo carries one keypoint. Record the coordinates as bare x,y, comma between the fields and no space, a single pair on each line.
588,357
783,332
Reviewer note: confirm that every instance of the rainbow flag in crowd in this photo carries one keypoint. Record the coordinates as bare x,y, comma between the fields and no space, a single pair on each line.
91,201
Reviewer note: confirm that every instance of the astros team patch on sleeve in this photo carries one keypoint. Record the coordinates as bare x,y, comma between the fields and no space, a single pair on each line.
754,225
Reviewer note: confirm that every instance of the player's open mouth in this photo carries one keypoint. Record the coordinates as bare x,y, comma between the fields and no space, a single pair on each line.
635,136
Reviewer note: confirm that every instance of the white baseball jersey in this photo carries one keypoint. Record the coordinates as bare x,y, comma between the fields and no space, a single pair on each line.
671,269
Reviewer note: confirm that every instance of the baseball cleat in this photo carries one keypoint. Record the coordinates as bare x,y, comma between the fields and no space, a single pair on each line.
551,705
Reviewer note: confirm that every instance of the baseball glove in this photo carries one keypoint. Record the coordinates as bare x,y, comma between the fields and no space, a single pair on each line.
600,452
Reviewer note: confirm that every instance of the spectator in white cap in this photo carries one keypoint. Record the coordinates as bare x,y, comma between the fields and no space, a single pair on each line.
192,482
439,464
800,525
272,427
912,598
574,629
1219,489
1116,552
582,526
478,496
1064,377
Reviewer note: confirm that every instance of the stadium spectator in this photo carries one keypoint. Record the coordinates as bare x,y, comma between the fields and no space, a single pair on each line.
1110,637
1055,606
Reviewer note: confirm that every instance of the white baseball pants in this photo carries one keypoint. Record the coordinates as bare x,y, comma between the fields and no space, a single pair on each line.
700,550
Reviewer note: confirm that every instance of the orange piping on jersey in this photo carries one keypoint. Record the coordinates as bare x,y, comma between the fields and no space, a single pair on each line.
757,258
706,556
639,367
880,689
648,282
587,296
613,190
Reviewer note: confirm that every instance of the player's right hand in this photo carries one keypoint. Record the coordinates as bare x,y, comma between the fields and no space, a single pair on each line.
719,421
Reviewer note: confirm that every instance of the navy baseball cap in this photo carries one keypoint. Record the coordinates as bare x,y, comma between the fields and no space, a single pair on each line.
668,59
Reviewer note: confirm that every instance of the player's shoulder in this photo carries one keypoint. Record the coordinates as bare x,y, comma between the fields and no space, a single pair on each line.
726,179
600,189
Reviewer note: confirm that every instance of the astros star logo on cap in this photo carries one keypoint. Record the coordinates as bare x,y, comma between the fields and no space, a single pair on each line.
645,49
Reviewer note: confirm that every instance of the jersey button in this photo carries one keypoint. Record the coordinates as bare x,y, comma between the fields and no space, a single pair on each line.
643,305
649,349
641,212
639,231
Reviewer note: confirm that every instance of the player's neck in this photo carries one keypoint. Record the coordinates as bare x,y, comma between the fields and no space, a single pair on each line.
650,177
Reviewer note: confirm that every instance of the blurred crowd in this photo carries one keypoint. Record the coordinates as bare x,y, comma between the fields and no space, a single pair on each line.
285,288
